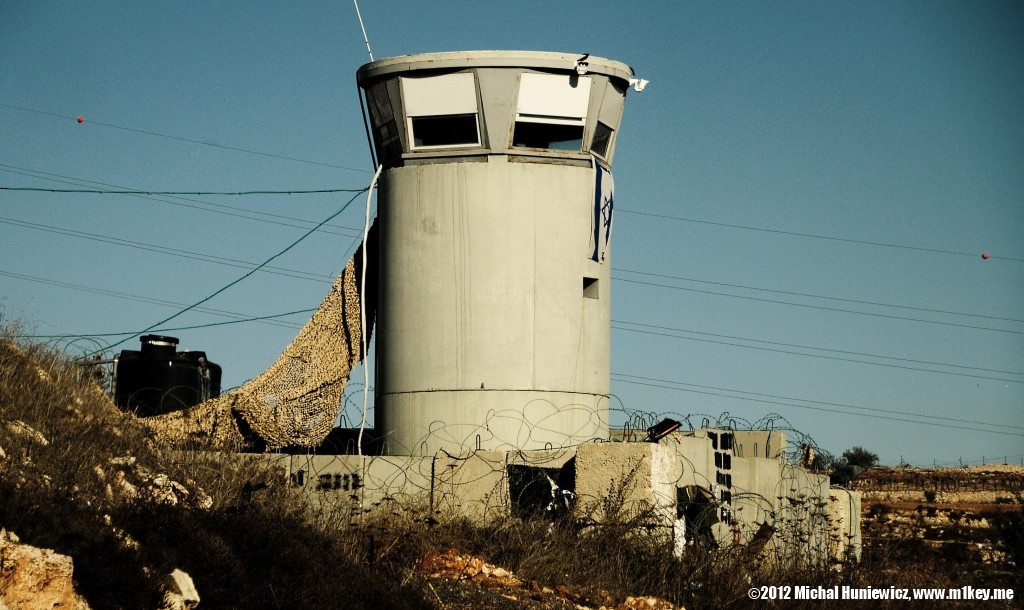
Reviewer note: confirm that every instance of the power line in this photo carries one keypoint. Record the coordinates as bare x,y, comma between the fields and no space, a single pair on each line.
817,296
144,192
681,219
327,279
780,351
340,190
621,210
125,191
813,236
682,330
779,400
243,277
821,307
166,330
135,298
205,206
139,192
182,139
984,461
167,251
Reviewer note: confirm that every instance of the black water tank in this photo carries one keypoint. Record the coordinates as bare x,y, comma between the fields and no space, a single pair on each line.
158,379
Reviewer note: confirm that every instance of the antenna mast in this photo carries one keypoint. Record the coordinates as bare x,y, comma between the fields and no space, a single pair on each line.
363,27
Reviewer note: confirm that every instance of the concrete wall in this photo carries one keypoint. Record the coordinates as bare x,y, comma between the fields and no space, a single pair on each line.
477,485
626,481
695,455
754,496
772,509
472,485
803,514
761,443
844,534
352,485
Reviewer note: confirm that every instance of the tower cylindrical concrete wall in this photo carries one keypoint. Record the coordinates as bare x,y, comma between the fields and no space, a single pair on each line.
494,210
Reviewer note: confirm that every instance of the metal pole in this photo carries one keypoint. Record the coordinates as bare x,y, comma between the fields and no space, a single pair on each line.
363,28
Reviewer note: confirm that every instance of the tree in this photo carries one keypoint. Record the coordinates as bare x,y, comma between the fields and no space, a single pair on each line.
859,456
853,462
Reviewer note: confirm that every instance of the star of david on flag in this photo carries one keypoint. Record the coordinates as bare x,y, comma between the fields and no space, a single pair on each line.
604,194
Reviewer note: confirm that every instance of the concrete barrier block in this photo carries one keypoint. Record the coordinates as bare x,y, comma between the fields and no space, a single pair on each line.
844,525
402,480
694,457
361,485
332,483
471,485
626,482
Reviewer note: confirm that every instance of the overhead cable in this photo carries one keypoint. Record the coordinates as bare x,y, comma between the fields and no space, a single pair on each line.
181,139
177,252
816,296
793,353
176,328
243,277
136,298
148,192
205,206
787,401
814,236
821,307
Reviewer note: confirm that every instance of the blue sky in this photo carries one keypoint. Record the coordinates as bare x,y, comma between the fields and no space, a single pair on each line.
803,193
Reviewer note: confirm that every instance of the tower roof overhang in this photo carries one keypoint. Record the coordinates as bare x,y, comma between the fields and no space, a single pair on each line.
456,60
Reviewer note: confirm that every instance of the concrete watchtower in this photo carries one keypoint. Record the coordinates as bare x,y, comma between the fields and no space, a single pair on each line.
494,212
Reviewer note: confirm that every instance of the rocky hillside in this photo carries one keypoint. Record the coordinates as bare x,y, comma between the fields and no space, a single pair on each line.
973,516
97,513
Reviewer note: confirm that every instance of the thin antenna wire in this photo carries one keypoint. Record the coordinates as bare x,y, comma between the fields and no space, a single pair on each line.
363,27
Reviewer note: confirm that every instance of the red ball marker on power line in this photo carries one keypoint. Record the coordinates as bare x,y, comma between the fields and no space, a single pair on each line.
984,255
81,119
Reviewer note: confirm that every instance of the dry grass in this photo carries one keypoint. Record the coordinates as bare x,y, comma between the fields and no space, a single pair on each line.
90,489
248,540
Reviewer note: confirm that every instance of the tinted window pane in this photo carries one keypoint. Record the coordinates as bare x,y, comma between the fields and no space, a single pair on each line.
450,130
602,138
548,135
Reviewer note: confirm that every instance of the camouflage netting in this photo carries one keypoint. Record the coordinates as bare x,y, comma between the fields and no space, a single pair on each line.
297,399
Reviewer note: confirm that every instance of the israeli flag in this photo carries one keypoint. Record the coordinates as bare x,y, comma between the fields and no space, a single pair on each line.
604,194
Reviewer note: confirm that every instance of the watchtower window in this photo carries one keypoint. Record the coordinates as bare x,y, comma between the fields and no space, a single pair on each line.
551,111
529,134
446,130
441,110
602,140
386,136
